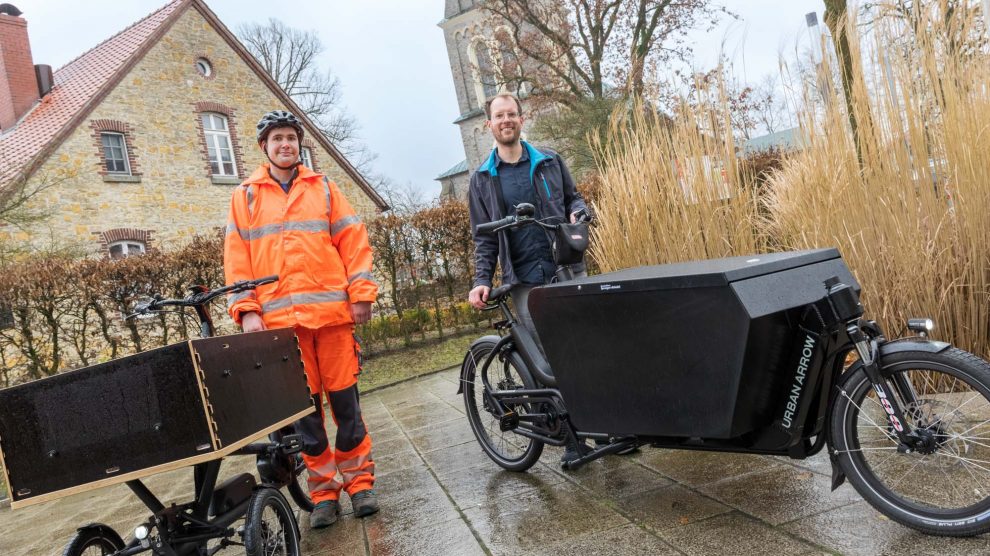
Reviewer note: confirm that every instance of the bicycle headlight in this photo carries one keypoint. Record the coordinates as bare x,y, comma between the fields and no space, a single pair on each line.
922,326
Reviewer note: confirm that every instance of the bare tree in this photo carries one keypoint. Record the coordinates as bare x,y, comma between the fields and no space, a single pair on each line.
768,108
570,50
290,57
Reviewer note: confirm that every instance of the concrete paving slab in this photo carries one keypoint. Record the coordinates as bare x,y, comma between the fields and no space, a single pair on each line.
781,494
735,534
670,507
474,486
695,468
442,435
531,521
627,540
450,537
859,530
614,482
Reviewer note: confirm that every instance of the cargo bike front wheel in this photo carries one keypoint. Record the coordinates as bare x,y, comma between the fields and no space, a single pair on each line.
269,526
943,486
94,540
479,376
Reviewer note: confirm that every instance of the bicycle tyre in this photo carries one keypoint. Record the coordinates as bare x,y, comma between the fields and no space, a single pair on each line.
297,487
96,536
270,528
939,489
509,450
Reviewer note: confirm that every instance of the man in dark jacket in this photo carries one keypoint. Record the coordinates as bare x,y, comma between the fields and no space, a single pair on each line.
515,173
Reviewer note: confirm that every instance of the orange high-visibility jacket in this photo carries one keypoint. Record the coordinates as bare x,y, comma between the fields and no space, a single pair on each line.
311,238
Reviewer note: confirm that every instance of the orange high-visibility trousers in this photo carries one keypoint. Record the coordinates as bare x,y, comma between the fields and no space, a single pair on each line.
330,355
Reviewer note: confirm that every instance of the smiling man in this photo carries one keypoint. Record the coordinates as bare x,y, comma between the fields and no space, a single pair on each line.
288,220
516,172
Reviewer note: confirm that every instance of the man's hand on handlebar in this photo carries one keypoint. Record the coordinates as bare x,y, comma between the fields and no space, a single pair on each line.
478,296
252,322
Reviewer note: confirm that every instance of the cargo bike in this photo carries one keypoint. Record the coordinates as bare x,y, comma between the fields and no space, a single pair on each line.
768,354
186,404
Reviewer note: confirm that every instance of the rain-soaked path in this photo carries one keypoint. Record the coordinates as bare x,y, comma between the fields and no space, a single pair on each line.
441,495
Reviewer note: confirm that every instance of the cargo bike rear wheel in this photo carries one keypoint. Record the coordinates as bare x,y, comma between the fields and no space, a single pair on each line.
943,486
506,371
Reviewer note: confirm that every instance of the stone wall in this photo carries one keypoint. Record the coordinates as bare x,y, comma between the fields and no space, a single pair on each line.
159,102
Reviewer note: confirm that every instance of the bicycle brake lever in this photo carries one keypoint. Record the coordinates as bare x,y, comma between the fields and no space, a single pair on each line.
291,444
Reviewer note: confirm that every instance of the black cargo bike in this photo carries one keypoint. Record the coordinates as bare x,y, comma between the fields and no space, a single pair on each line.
768,354
186,404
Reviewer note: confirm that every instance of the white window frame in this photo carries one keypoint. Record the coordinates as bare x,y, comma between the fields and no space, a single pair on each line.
130,247
218,141
306,157
123,152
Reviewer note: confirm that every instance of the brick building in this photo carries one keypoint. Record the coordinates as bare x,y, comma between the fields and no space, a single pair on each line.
139,141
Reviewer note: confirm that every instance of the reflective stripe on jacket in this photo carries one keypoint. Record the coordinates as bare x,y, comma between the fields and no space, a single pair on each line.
311,238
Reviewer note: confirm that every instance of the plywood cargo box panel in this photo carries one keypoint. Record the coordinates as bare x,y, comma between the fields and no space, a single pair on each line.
150,412
693,349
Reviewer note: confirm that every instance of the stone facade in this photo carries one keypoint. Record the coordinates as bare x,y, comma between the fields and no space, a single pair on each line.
171,194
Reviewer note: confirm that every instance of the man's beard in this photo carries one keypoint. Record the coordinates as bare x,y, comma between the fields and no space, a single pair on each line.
501,139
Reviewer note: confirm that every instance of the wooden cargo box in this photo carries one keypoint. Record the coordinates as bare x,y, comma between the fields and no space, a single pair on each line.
151,412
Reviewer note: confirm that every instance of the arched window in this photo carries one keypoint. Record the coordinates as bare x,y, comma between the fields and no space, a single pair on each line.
126,248
125,242
486,83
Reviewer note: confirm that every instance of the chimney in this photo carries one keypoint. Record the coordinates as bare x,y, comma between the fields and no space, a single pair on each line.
18,81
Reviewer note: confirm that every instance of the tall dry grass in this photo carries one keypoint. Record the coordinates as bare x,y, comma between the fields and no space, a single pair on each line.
909,208
671,190
912,219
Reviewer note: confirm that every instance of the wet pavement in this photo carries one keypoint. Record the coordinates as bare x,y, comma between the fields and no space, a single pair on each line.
440,494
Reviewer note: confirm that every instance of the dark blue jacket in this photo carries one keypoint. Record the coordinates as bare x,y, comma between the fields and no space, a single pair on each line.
556,197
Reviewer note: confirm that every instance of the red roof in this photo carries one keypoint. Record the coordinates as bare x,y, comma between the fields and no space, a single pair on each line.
77,85
82,83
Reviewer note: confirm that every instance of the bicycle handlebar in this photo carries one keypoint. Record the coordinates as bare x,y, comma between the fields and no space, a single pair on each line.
200,297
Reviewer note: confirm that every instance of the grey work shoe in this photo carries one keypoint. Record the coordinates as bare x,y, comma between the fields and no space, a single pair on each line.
324,514
364,503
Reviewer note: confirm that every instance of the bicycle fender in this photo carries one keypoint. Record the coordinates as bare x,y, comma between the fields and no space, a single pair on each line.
467,357
916,343
104,530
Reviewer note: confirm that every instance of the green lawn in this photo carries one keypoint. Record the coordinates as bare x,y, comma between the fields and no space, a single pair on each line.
390,368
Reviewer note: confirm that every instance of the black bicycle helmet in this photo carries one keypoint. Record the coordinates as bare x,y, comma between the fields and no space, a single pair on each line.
278,118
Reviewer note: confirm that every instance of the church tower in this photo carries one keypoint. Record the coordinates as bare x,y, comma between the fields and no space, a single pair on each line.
472,45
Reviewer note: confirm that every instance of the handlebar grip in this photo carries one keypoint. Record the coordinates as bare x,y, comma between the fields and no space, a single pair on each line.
266,280
490,227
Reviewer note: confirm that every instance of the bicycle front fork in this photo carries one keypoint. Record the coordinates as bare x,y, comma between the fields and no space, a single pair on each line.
892,400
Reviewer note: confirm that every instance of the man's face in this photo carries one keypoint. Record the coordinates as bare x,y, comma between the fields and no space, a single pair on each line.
506,122
282,146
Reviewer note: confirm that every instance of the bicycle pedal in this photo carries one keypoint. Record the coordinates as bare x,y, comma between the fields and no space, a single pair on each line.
509,421
291,444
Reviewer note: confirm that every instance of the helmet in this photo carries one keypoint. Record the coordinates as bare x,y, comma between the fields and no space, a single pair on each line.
278,118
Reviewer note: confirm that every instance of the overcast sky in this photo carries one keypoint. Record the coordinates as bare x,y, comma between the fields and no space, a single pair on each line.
392,61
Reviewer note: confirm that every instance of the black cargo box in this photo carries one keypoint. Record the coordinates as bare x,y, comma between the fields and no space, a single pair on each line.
154,411
694,349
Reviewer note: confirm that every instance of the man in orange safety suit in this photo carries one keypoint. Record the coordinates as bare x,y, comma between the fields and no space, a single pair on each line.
288,220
